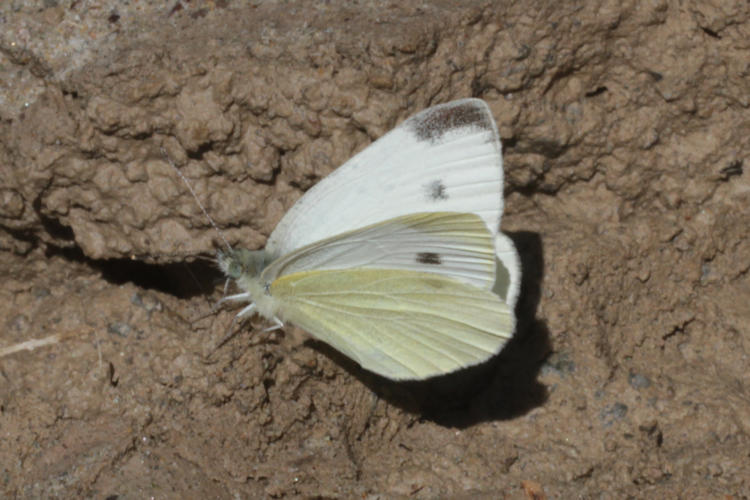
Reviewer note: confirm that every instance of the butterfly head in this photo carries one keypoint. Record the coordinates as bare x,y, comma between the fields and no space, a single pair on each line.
241,263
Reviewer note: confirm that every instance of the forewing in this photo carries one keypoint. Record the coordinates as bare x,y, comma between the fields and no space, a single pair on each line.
403,325
453,245
445,159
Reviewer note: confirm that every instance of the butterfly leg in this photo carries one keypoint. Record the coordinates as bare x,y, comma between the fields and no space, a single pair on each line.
247,311
277,325
233,298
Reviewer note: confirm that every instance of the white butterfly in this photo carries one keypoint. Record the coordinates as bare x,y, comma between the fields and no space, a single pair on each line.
396,259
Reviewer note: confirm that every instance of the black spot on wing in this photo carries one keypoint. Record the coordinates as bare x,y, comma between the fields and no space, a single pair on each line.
436,191
432,123
429,258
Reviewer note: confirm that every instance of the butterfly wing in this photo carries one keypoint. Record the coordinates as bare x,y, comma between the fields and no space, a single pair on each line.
508,270
453,245
446,158
403,325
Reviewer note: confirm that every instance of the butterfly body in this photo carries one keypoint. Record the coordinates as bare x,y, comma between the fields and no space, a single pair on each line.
245,267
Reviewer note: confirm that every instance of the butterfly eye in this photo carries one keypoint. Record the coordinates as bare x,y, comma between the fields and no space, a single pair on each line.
236,269
231,264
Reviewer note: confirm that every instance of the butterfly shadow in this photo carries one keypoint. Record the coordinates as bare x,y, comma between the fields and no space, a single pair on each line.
502,388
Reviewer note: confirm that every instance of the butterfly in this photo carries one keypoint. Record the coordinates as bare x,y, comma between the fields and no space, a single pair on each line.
396,258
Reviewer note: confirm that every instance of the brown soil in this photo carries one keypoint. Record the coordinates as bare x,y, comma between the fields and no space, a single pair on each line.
626,131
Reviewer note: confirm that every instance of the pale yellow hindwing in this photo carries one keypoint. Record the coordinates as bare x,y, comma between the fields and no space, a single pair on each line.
397,323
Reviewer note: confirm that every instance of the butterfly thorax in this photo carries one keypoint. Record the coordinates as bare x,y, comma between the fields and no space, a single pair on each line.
245,267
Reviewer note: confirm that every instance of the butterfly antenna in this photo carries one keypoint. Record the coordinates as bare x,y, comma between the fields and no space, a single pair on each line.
197,200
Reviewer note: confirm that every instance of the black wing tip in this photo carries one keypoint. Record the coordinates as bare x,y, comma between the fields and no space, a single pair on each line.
432,123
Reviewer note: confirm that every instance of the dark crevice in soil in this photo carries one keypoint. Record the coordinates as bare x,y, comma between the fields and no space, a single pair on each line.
734,169
54,227
711,33
182,280
508,143
597,91
199,153
274,176
22,235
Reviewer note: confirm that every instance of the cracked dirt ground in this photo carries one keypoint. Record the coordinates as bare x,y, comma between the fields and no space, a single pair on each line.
625,133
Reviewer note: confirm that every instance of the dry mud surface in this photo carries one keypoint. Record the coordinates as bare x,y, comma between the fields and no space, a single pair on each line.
626,130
